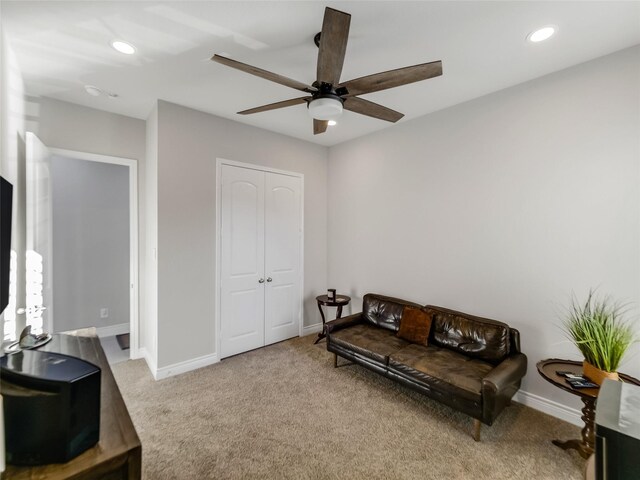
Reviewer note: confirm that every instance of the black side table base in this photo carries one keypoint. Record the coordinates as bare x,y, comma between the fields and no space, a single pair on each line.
323,300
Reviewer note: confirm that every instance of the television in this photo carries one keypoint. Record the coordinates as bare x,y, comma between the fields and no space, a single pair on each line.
6,200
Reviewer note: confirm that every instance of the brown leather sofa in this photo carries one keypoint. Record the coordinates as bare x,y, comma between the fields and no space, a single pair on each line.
471,364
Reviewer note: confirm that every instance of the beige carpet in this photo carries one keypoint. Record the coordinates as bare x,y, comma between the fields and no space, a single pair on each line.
284,412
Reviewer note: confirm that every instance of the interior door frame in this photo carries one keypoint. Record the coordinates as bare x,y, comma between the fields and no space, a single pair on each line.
132,164
218,241
31,144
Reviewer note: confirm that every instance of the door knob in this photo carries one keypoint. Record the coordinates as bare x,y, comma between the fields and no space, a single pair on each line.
261,280
269,279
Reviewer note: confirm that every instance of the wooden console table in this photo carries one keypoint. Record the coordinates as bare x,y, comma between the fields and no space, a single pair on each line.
589,396
118,454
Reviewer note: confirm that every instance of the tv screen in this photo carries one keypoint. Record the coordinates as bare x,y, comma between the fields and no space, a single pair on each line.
6,198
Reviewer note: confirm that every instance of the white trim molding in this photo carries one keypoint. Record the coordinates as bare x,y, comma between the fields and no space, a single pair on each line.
309,329
549,407
182,367
111,330
144,353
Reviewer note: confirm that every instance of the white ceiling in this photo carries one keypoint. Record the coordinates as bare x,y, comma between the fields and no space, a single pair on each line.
62,46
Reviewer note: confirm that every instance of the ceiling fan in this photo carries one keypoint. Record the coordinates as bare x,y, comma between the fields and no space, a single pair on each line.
327,96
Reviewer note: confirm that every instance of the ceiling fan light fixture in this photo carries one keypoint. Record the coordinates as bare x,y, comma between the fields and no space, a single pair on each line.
325,108
542,34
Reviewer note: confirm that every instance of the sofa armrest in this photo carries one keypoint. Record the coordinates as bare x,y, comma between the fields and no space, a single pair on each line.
501,384
512,369
344,322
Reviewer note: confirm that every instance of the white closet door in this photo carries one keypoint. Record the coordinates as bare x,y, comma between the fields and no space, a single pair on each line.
282,258
242,258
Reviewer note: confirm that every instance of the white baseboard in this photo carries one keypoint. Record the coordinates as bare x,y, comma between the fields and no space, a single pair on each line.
186,366
309,329
549,407
112,330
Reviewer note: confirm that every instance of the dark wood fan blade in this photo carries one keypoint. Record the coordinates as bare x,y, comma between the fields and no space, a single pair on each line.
365,107
320,126
392,78
276,105
258,72
333,45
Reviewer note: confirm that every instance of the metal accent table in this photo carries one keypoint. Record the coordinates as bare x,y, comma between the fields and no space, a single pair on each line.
340,301
547,369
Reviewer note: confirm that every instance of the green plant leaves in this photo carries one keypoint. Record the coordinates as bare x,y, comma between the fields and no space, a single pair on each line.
599,331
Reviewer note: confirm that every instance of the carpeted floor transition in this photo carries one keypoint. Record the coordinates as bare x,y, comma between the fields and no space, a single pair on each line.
284,412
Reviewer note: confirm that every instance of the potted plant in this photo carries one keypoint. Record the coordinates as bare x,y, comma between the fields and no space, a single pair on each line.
600,332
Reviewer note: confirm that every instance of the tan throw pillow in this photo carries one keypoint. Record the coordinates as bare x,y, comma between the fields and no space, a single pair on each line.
415,325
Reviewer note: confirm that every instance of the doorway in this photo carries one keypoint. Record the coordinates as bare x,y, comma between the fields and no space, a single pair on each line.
82,235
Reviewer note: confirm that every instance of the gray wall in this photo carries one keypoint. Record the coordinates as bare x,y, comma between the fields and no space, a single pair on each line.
74,127
189,142
90,210
501,206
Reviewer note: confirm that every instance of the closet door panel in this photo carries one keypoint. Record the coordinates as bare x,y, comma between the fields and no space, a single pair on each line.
283,232
242,258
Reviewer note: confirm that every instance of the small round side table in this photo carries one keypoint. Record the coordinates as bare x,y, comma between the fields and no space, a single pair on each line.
547,369
340,301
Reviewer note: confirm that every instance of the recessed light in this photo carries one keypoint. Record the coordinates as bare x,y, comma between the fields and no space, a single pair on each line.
92,90
542,34
332,123
123,47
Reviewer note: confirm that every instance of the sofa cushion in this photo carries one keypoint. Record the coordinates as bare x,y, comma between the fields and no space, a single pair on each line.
369,341
385,312
415,325
442,367
476,337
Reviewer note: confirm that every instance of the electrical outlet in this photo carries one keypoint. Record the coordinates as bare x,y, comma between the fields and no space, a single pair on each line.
104,313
